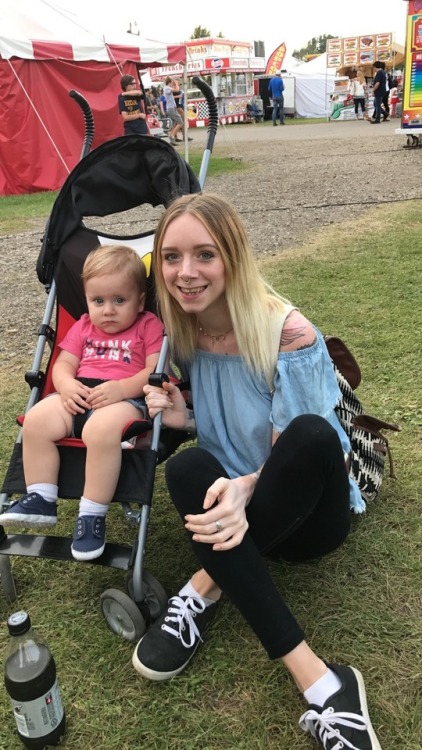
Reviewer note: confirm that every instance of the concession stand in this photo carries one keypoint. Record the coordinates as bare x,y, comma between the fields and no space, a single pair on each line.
347,54
227,66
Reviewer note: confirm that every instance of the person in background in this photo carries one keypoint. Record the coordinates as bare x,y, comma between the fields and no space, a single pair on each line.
394,100
276,89
357,87
148,102
162,103
179,97
386,97
130,107
269,474
379,89
172,86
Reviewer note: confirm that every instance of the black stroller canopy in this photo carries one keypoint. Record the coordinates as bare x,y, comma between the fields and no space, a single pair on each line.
120,174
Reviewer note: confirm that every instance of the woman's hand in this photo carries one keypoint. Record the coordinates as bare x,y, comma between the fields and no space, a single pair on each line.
104,394
225,524
168,400
74,396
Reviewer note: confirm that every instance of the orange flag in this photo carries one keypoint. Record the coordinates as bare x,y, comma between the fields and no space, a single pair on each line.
275,61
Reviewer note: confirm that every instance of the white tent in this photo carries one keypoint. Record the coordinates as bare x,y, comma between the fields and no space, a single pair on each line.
314,83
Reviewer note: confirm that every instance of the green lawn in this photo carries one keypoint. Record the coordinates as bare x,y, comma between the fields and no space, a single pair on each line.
360,605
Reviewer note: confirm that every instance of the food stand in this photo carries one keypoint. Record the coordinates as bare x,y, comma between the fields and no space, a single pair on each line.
347,54
411,119
228,67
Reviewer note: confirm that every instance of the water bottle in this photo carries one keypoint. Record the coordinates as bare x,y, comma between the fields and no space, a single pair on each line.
30,679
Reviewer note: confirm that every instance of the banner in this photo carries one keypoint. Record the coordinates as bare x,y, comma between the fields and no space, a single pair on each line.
275,61
412,89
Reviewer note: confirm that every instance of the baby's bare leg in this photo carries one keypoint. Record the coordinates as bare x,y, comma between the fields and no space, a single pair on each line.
102,435
44,424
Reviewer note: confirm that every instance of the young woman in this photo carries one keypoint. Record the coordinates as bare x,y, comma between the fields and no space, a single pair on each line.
357,88
269,475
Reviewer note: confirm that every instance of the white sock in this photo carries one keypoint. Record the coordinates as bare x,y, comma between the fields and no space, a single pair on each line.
322,689
188,590
89,508
47,491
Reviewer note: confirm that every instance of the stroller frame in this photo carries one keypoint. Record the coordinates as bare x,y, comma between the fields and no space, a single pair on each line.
128,616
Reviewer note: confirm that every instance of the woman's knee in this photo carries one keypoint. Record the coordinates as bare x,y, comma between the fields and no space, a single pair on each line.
308,437
187,464
189,474
310,429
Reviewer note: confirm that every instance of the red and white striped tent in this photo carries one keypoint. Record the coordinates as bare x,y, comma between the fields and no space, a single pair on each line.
45,52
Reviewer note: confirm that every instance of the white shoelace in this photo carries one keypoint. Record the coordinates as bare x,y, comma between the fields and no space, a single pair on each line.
320,726
184,611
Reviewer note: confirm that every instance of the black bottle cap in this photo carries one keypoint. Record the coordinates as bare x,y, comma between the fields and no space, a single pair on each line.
19,623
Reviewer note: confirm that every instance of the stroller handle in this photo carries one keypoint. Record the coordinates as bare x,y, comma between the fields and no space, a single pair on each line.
212,127
88,119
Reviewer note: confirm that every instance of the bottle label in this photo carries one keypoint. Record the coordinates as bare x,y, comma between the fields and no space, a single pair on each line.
41,716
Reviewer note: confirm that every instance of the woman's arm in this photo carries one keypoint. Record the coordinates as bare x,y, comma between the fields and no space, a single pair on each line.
298,333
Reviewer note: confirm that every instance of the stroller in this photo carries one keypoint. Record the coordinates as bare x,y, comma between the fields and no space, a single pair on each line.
121,174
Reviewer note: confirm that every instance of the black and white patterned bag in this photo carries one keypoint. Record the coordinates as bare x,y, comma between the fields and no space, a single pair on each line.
369,447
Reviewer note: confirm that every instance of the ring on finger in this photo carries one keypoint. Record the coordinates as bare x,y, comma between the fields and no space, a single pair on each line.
219,526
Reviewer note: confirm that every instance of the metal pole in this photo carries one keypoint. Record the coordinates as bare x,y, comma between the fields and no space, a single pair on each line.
185,110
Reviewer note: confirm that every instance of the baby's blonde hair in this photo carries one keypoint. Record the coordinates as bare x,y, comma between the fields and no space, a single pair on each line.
115,259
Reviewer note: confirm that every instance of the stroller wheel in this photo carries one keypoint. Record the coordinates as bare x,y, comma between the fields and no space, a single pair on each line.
155,595
122,615
7,581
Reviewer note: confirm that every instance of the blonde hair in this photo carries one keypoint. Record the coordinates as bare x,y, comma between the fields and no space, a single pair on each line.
360,76
115,259
252,303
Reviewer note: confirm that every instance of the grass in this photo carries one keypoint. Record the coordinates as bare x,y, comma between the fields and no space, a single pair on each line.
361,604
17,211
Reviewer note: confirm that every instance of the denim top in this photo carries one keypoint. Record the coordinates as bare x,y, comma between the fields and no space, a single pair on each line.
235,411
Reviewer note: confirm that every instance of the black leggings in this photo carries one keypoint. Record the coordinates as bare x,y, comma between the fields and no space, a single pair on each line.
299,511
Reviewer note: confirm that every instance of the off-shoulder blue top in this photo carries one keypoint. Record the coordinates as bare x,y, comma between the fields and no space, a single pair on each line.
235,411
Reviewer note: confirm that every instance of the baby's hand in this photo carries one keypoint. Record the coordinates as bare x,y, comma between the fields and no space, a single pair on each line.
74,396
105,394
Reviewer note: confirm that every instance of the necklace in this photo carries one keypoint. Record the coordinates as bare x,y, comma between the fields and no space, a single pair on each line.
217,337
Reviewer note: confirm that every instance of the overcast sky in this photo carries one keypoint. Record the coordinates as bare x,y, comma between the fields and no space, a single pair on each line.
294,23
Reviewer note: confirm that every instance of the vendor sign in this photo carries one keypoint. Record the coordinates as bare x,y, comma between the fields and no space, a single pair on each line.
412,90
359,50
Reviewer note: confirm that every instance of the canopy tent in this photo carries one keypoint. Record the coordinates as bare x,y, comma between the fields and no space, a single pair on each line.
314,83
45,52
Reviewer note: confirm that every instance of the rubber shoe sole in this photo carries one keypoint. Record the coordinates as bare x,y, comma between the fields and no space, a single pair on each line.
30,510
27,519
151,674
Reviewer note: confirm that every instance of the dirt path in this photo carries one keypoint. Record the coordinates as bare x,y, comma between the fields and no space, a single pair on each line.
298,179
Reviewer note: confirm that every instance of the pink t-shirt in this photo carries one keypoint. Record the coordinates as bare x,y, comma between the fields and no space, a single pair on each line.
117,356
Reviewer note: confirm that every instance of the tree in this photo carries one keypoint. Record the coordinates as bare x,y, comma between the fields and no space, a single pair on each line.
316,46
200,32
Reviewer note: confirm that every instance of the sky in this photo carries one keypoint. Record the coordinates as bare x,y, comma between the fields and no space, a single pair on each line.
294,23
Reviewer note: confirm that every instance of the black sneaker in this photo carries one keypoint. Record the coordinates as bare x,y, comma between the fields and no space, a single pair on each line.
343,721
172,640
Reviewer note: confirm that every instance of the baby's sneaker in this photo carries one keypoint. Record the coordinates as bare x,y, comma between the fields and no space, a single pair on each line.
30,510
89,537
